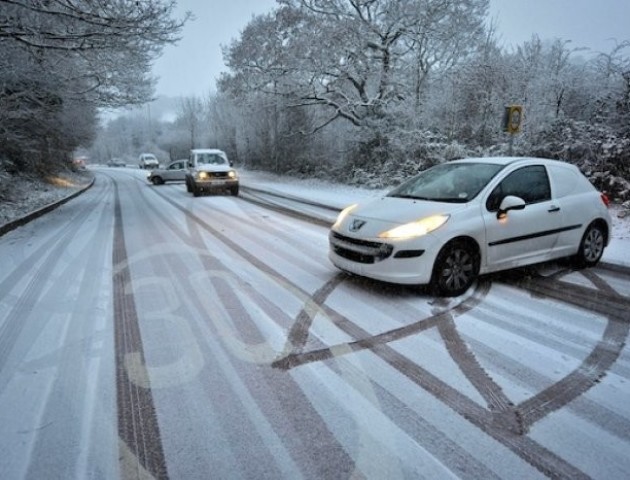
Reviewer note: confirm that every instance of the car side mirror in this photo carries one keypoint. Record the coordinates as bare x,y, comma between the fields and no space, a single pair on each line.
510,202
190,164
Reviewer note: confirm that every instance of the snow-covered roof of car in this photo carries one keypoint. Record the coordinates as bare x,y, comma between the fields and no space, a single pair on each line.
509,160
207,150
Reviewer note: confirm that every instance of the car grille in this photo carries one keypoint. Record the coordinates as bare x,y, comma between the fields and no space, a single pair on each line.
218,174
209,176
360,251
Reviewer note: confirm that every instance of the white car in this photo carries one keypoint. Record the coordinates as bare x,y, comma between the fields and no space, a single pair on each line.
148,160
460,219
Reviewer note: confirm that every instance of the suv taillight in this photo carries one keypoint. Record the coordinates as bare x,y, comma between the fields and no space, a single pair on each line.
605,199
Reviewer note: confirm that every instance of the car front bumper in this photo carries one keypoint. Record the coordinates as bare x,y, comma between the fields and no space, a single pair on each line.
408,262
216,183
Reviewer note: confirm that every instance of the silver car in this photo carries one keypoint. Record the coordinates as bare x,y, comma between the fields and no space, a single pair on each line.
173,172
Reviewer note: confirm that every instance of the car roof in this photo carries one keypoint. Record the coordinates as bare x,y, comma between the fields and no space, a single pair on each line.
512,160
207,150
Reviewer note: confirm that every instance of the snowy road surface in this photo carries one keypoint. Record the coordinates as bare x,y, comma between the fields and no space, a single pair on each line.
146,333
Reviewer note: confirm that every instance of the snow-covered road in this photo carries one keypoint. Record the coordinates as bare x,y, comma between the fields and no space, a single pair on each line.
146,331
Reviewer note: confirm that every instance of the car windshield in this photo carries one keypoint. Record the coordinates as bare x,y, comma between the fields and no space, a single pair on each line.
449,182
210,159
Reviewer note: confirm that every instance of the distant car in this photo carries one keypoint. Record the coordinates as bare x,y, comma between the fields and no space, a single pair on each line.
79,163
460,219
209,170
148,161
116,162
173,172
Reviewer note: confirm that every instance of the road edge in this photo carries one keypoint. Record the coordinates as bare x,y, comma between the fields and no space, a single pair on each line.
18,222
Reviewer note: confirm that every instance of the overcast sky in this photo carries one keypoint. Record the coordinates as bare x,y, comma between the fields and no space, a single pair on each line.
192,66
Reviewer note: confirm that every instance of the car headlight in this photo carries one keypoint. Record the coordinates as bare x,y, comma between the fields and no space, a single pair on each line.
344,213
232,174
202,175
417,228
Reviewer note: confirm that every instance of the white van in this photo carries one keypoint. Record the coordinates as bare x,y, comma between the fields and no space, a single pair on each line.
148,161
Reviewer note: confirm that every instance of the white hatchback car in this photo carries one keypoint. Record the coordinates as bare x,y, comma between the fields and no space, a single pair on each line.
460,219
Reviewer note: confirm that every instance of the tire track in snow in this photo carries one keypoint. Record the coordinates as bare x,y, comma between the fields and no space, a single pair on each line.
17,320
138,430
603,300
501,420
259,413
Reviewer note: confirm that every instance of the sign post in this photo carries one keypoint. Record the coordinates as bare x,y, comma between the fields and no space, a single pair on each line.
512,120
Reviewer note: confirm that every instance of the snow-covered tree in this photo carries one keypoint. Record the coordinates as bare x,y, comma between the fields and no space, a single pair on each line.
190,116
62,59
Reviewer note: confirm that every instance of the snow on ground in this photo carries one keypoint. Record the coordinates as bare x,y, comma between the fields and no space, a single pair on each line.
19,197
618,250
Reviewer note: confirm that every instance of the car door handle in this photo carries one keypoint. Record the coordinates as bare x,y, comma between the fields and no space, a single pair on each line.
553,208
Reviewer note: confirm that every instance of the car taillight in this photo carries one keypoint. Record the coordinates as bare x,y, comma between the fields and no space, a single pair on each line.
605,199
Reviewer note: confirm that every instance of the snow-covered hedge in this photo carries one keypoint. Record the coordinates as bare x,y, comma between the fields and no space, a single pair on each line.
601,153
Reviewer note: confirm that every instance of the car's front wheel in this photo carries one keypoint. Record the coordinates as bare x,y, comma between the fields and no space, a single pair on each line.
592,246
234,190
456,268
157,181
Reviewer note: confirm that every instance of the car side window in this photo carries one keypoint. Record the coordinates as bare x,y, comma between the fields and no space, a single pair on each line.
176,166
529,183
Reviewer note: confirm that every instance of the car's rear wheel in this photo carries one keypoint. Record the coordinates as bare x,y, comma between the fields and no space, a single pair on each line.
456,268
592,246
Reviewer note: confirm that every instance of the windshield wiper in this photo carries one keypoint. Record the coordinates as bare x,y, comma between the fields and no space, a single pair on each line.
414,197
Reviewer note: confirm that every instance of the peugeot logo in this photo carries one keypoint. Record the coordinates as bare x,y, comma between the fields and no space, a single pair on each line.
356,225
